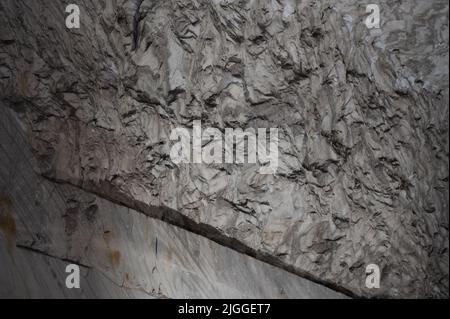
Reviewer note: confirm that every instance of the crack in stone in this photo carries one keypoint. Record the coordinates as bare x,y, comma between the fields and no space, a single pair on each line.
68,260
177,219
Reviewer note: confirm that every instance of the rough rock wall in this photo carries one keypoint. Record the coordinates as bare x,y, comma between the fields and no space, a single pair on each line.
362,117
44,226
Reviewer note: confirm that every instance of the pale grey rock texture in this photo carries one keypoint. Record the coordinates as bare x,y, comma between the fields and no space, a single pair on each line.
45,226
362,114
29,274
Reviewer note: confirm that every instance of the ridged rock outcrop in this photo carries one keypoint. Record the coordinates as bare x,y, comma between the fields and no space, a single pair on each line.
362,118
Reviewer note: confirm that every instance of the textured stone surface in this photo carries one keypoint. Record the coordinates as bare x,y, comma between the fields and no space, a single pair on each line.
29,274
45,226
363,119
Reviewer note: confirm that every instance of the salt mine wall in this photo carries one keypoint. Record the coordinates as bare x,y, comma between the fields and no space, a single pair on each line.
348,169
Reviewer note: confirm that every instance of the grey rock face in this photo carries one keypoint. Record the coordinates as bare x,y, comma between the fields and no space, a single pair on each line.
45,226
362,118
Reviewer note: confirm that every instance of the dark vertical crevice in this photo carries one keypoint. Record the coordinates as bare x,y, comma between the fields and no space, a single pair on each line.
136,18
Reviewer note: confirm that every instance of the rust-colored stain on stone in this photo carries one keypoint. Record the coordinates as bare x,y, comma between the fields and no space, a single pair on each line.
114,257
7,221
